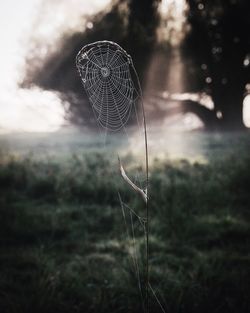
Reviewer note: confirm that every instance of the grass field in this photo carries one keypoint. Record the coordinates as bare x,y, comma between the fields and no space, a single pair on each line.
63,243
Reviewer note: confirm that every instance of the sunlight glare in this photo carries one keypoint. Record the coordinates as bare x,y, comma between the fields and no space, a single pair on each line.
31,110
246,111
34,109
173,21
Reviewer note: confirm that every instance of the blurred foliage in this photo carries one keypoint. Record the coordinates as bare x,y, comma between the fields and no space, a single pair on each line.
142,22
64,246
132,24
216,52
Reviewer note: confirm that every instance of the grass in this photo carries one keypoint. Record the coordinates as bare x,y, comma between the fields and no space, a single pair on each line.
63,245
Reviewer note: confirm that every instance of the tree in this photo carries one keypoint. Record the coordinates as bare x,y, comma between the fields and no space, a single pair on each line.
143,20
131,24
218,47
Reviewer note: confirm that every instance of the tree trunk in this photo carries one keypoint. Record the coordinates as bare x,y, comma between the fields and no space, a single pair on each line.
228,102
232,117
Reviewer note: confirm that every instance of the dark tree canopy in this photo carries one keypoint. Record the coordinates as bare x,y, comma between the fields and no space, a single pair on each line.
143,20
218,46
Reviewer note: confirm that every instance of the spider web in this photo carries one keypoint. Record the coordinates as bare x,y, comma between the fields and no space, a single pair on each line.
104,68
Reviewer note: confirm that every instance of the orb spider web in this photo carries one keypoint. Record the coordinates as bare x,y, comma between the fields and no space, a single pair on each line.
105,71
104,68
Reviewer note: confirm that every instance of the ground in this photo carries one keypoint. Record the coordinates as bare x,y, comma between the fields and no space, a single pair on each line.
63,239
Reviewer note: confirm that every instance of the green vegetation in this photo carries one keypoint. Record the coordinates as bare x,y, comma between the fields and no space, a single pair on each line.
63,244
